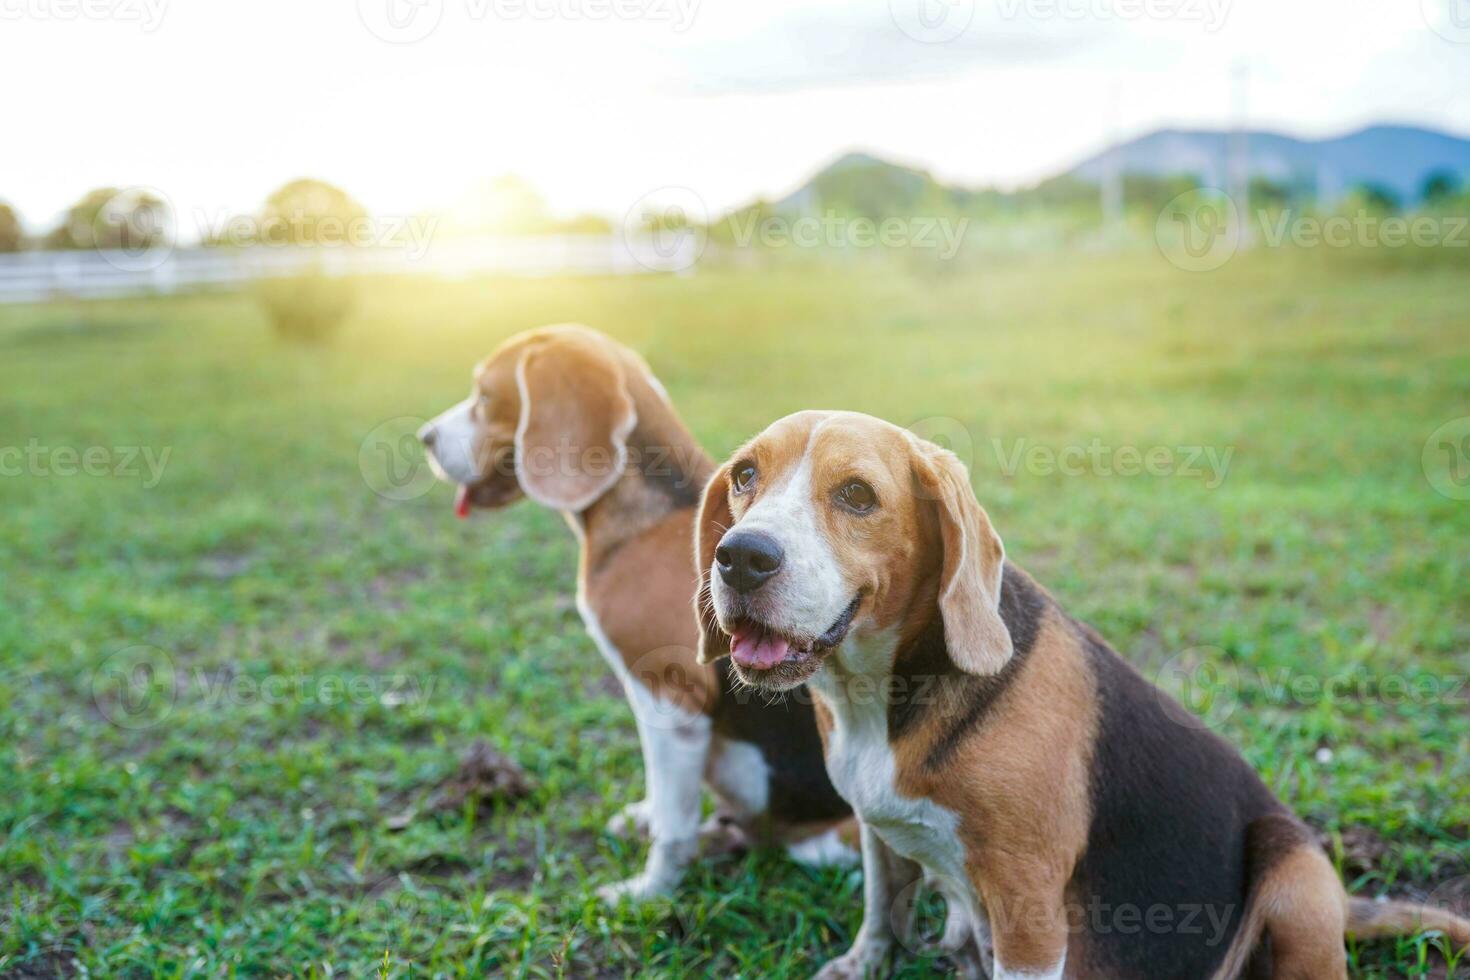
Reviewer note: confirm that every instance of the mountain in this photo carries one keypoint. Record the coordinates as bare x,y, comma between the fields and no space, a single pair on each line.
1399,158
1156,167
861,184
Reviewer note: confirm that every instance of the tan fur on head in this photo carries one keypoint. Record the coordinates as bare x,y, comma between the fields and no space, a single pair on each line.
974,563
710,525
576,414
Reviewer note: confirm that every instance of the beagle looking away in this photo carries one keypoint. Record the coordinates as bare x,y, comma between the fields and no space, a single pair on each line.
574,421
1088,824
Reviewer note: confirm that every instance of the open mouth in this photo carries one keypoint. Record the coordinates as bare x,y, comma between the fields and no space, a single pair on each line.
487,494
756,647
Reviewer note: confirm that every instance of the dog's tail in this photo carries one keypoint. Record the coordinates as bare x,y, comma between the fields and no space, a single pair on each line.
1299,888
1376,920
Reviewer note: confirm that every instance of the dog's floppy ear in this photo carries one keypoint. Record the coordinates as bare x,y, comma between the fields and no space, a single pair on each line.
576,413
974,563
710,525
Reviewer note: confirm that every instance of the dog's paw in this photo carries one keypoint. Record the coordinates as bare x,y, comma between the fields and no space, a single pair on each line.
856,964
722,835
635,890
631,821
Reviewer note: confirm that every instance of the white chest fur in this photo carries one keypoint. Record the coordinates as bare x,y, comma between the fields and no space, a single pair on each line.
861,764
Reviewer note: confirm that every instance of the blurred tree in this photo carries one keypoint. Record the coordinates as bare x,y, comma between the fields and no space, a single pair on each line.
1267,193
12,236
309,212
511,206
1439,187
132,219
1375,198
1058,192
1152,193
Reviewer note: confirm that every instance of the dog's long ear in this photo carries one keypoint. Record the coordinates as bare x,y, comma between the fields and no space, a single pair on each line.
709,526
974,563
576,413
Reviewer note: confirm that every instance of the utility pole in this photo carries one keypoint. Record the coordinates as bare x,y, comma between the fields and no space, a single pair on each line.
1112,182
1238,166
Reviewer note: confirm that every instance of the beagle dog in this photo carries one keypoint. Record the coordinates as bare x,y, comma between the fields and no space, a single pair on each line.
988,742
576,422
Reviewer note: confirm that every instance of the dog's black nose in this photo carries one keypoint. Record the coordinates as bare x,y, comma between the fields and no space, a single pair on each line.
428,434
747,559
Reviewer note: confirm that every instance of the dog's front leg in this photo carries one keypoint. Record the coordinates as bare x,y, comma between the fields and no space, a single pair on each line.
675,748
885,880
1028,925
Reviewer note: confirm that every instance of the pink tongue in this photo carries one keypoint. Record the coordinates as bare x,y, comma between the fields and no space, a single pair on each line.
758,652
462,502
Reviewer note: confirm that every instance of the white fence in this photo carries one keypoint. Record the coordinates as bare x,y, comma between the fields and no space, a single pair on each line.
38,276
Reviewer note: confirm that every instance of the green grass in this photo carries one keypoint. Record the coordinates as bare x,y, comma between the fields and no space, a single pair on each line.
246,834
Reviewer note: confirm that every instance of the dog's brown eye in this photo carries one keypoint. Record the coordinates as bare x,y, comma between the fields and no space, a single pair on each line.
744,478
858,496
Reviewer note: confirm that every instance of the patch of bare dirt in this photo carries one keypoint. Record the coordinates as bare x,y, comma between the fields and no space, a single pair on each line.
484,775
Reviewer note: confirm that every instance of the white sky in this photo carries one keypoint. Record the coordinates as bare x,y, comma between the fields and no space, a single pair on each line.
222,100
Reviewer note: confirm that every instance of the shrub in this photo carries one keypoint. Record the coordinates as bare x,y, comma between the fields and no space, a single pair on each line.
11,236
108,218
306,308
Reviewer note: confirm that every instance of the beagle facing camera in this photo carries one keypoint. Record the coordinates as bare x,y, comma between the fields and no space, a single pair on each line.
993,745
577,422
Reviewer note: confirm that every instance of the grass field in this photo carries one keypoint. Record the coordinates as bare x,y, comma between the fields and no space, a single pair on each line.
325,653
